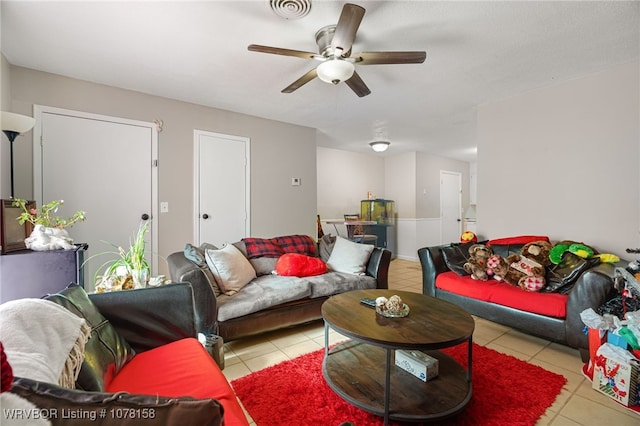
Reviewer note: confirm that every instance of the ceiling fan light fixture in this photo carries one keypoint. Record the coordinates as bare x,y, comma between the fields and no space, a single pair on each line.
335,71
379,146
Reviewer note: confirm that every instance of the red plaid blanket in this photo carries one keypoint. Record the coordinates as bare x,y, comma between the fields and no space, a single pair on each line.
302,244
262,247
276,247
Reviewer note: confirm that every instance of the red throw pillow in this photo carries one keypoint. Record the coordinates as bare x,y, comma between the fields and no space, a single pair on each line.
300,265
522,239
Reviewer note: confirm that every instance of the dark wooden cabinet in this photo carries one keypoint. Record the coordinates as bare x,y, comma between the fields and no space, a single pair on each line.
30,273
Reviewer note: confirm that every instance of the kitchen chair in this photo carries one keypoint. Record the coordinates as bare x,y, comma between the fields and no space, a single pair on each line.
356,232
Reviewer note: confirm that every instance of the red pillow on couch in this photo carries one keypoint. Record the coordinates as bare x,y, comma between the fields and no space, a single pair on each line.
300,265
520,239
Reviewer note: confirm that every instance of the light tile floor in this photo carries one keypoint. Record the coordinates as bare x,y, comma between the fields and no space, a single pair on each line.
578,404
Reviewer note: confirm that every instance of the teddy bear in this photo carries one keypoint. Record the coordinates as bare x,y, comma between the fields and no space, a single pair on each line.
476,265
527,269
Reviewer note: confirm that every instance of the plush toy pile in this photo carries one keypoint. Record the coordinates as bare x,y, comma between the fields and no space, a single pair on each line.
528,268
525,270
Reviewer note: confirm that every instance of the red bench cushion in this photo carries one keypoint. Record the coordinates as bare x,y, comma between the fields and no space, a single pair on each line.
548,304
181,368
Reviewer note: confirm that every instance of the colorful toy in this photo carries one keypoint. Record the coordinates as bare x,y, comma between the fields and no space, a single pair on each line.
579,249
608,258
468,237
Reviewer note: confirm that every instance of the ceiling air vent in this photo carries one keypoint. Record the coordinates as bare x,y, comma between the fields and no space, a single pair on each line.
291,9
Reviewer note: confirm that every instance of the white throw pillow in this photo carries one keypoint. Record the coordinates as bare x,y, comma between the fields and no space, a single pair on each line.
230,268
349,257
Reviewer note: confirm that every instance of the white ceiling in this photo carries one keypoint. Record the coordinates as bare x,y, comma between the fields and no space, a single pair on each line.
477,52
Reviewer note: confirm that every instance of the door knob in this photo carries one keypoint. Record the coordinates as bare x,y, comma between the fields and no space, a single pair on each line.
205,216
145,216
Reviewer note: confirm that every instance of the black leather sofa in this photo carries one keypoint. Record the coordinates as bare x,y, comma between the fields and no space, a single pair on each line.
591,290
125,323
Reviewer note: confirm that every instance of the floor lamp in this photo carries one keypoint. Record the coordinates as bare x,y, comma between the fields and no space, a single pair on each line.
13,125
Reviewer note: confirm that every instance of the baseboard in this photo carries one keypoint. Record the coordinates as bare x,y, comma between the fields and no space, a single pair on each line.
411,258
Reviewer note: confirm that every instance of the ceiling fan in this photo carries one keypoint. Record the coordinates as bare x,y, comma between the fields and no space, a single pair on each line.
337,63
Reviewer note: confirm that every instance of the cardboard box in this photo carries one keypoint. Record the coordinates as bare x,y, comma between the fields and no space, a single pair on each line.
618,380
417,363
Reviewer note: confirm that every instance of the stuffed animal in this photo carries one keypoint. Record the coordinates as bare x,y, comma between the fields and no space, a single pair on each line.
501,270
579,249
476,266
468,237
527,269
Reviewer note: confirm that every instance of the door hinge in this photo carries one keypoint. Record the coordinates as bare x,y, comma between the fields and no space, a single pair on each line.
155,163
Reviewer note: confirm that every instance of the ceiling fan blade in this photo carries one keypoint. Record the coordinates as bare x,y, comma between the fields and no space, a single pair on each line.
347,27
301,81
280,51
373,58
357,85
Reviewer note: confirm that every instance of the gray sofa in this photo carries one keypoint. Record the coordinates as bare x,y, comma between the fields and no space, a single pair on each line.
590,290
270,302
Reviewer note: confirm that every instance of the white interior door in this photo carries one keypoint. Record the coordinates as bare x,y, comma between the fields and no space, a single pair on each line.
104,166
222,188
450,206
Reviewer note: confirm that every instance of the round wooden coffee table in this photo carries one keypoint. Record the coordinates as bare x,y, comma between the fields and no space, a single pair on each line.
362,372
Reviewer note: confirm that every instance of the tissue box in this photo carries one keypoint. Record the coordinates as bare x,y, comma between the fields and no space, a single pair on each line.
417,363
617,380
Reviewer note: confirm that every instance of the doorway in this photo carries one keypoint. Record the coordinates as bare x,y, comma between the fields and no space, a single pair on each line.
450,206
104,166
222,185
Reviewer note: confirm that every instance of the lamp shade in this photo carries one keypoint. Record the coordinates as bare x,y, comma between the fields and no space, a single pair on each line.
379,146
335,70
11,122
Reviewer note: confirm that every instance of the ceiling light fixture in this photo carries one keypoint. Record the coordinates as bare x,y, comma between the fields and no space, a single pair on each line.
379,146
335,71
13,125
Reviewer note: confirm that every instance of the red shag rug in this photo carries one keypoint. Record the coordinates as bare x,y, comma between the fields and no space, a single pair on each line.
506,391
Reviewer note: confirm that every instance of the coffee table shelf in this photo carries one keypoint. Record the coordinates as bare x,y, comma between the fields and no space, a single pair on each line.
356,372
362,370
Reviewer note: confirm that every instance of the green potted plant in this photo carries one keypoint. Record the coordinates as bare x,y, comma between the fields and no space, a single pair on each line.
130,269
49,231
